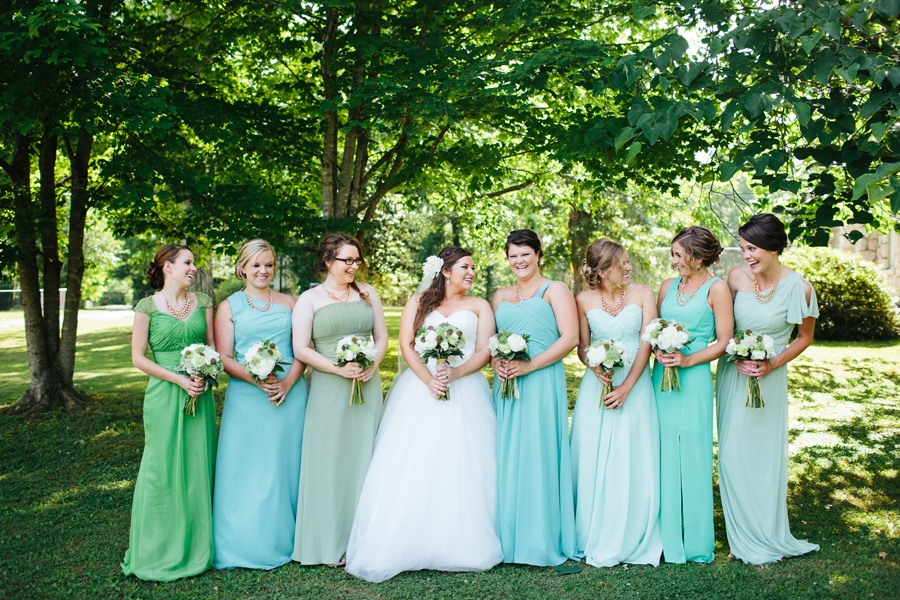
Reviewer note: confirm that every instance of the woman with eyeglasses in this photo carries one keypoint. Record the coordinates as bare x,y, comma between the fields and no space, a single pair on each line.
337,436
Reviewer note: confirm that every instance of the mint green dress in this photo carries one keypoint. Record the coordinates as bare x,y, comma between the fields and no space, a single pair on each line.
535,509
171,517
337,441
753,442
686,437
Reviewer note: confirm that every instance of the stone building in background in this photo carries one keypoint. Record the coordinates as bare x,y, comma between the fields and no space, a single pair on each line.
883,249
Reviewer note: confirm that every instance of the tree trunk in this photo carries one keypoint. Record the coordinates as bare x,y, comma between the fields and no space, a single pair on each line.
580,232
204,282
330,125
51,264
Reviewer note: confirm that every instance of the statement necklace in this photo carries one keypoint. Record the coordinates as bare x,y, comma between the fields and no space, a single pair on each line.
615,308
681,285
342,298
519,296
763,297
182,313
264,308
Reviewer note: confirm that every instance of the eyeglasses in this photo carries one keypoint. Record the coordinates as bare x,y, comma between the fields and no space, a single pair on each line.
351,261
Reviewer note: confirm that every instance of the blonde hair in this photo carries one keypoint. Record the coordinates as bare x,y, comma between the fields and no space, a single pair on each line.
600,256
248,252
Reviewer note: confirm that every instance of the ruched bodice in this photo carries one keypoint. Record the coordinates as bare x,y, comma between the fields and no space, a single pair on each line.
168,335
624,327
251,326
696,315
356,318
533,317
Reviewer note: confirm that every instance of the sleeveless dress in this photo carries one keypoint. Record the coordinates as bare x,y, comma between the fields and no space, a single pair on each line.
615,458
753,442
258,464
337,441
430,497
685,437
535,510
171,517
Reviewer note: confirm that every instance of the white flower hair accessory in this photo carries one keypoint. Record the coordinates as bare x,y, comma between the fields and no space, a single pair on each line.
432,267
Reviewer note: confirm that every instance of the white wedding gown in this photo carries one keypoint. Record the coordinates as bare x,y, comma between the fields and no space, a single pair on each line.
430,497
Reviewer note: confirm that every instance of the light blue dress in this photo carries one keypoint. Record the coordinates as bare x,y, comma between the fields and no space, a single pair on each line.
615,457
258,464
686,439
535,510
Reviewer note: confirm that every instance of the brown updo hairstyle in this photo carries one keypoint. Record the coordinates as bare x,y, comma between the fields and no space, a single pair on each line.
248,252
156,277
328,250
600,256
525,237
700,244
765,231
433,296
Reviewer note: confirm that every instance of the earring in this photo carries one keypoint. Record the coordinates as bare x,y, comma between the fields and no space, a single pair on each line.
447,279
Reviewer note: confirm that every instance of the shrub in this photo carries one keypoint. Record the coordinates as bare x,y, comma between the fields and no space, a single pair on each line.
855,301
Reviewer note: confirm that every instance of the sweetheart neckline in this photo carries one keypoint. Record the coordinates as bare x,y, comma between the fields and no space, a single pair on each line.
600,310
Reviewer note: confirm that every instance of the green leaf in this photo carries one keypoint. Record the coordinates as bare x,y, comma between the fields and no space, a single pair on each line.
754,104
895,200
664,83
728,169
877,192
859,187
728,115
808,42
802,109
625,134
833,29
632,152
642,12
678,45
848,74
894,76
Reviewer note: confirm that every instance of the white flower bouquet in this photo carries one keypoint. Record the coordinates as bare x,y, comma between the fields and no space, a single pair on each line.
667,335
509,346
609,355
262,359
359,349
200,361
440,343
748,345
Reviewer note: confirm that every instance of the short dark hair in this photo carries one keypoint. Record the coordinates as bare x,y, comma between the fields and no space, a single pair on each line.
525,237
765,231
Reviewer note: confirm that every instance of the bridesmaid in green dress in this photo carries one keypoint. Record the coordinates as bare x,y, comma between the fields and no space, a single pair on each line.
703,303
337,437
535,508
171,517
753,442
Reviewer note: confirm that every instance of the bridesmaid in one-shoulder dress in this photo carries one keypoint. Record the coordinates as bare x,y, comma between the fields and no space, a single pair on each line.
171,517
258,463
535,510
337,437
753,442
703,303
615,438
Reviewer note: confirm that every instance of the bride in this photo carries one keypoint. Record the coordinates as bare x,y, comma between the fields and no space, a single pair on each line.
429,500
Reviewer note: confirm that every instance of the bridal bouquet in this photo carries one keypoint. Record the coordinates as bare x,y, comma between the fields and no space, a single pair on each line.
200,361
262,359
747,345
441,342
668,335
509,346
359,349
610,355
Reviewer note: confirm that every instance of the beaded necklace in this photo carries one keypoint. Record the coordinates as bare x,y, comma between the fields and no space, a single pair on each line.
615,308
265,307
521,298
182,313
681,285
342,298
763,297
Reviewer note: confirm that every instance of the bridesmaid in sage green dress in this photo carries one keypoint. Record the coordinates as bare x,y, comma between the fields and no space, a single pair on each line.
753,442
535,509
171,517
338,437
703,303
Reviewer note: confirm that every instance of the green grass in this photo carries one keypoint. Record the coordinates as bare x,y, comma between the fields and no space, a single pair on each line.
66,483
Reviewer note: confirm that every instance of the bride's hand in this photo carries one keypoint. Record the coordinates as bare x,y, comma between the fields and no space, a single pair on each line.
447,373
437,388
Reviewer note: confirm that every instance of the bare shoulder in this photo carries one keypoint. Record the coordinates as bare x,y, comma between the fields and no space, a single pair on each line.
479,306
285,300
504,294
558,287
719,287
644,292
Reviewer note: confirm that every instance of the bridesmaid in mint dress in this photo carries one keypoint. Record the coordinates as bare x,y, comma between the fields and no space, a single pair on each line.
171,517
753,442
258,463
703,303
615,438
337,437
535,511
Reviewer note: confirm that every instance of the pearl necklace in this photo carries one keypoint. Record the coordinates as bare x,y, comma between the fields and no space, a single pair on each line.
264,308
182,313
342,298
519,296
615,308
763,297
681,285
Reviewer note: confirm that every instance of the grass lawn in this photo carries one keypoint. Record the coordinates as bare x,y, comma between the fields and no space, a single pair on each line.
66,484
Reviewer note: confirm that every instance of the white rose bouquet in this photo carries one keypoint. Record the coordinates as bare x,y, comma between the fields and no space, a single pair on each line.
609,355
262,359
509,346
748,345
200,361
668,335
359,349
440,343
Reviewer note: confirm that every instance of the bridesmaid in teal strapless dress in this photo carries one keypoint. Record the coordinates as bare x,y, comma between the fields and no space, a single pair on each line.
703,303
535,510
171,516
258,463
615,438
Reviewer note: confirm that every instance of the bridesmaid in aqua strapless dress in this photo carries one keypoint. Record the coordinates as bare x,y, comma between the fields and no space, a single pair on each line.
258,463
535,511
171,517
